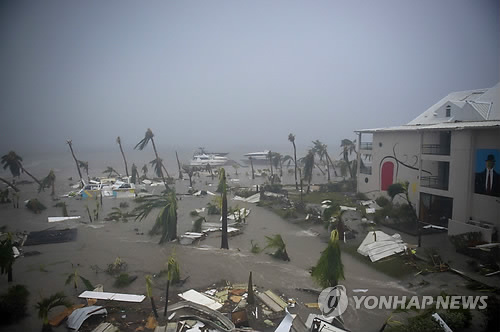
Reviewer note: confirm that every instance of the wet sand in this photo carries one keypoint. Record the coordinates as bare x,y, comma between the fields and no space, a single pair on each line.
100,243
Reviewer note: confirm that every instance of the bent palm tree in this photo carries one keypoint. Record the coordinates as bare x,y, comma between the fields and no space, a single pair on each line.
73,278
348,147
70,144
329,269
110,170
14,162
119,141
47,304
291,138
49,181
149,137
223,186
178,165
322,151
9,184
135,174
85,166
166,220
276,242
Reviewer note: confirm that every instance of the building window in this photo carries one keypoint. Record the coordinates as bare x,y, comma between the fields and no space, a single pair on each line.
448,111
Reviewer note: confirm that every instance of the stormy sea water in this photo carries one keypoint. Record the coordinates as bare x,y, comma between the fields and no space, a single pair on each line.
99,243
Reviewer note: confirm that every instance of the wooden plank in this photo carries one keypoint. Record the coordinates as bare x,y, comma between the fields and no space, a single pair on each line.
269,302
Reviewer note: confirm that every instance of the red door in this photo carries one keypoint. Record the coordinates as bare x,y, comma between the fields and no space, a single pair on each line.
387,175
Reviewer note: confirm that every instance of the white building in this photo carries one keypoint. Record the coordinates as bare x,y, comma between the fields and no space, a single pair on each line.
443,155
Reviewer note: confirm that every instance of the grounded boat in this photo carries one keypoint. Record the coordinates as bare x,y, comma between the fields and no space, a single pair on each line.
257,157
203,158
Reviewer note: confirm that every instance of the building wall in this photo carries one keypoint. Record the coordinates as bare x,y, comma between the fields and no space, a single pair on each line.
402,150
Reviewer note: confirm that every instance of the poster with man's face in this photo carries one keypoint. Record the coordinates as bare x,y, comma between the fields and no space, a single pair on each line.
486,181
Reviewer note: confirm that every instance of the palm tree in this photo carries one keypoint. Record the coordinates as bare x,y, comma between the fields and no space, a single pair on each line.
291,138
145,170
7,258
329,269
236,166
190,172
278,162
119,141
308,168
135,174
223,186
14,162
277,243
322,151
110,170
47,304
73,278
401,188
149,293
85,166
270,156
70,144
348,147
49,181
178,165
149,136
166,221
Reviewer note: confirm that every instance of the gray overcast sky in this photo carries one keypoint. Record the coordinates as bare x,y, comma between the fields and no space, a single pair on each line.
223,73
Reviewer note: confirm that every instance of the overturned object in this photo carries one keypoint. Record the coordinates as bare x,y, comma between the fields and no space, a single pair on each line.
112,296
58,219
378,245
198,298
77,317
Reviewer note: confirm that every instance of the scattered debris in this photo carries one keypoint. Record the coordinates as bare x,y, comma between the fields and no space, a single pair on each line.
105,327
78,316
198,298
58,319
255,198
112,296
58,219
378,245
51,236
190,237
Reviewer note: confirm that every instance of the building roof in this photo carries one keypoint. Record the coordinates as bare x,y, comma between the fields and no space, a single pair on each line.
437,126
472,109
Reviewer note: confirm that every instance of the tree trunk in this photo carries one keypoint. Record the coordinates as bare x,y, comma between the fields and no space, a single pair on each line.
250,297
253,172
271,163
34,178
9,274
224,242
9,184
157,160
295,160
153,305
301,188
166,299
76,162
124,159
178,165
333,166
321,170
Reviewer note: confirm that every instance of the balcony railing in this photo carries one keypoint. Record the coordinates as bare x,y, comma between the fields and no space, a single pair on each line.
366,145
435,182
436,149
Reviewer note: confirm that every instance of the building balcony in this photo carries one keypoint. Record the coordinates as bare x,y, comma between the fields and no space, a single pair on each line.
436,149
434,182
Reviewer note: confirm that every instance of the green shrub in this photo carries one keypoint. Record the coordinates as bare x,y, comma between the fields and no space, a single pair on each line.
382,201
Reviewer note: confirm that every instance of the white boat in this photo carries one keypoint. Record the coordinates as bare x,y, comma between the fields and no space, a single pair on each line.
211,159
258,158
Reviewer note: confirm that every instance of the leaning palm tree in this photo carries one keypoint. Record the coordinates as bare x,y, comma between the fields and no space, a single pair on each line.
348,147
144,170
73,278
223,186
329,269
291,138
46,304
85,166
149,137
251,164
70,144
166,220
14,162
276,242
119,141
178,165
189,170
278,162
322,151
149,293
10,184
49,182
270,157
308,168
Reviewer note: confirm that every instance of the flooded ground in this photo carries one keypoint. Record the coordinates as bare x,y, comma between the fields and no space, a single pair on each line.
101,242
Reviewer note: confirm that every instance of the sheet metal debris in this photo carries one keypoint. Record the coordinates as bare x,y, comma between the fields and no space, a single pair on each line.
77,317
112,296
378,245
51,236
58,219
198,298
